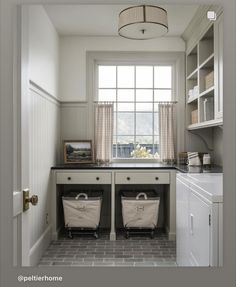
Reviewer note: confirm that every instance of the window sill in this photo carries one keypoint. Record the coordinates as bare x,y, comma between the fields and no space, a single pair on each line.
135,160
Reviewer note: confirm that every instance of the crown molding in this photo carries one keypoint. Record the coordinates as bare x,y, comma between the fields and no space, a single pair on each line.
198,18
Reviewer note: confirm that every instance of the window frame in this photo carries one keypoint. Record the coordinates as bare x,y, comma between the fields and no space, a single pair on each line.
135,64
174,58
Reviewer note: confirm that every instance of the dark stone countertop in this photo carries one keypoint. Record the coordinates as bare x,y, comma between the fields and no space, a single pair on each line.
181,168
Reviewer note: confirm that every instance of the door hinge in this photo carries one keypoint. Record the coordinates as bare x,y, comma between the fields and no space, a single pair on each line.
209,219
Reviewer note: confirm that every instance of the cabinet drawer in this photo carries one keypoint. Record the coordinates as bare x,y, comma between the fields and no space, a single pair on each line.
142,178
84,178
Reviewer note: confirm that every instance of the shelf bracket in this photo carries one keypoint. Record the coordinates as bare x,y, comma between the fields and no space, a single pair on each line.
203,140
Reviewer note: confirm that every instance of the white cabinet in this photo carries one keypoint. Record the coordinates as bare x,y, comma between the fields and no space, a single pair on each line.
83,178
199,220
114,177
199,231
142,178
182,229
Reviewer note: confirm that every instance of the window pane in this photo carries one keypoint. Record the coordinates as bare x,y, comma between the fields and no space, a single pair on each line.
125,76
126,95
144,124
107,76
156,140
125,123
107,95
144,140
125,145
162,76
156,123
125,140
146,107
144,77
156,147
156,107
162,95
125,107
144,95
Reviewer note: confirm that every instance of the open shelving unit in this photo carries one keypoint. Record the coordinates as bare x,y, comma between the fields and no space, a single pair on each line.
200,86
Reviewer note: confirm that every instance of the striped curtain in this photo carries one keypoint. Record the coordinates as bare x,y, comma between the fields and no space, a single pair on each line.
103,132
167,129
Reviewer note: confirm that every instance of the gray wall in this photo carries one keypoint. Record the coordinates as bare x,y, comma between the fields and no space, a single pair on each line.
218,145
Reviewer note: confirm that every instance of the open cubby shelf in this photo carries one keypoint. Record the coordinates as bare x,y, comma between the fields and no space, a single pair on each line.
201,74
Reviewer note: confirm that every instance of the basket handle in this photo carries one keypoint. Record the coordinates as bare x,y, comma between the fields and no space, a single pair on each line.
141,194
81,194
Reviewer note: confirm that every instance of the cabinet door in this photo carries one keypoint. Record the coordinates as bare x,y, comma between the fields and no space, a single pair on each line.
182,228
218,75
199,231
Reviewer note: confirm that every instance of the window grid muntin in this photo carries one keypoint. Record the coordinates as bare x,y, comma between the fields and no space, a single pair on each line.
154,113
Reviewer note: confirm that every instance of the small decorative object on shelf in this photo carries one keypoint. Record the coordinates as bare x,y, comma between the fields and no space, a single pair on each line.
78,151
209,80
193,93
194,116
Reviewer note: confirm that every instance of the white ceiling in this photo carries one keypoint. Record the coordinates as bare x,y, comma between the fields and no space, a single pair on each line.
102,20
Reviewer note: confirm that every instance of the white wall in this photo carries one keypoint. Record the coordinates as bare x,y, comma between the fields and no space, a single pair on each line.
43,50
74,121
44,153
44,121
73,58
76,109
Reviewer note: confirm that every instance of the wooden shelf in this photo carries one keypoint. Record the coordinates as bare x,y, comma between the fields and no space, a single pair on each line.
208,63
192,75
208,93
206,124
191,100
200,62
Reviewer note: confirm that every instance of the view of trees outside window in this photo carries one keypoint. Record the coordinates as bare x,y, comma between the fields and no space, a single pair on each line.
135,91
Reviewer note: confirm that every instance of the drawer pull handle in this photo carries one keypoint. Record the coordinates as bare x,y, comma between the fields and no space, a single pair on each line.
128,178
97,178
69,178
156,178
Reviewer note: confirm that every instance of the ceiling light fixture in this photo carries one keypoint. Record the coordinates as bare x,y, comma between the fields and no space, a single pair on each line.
143,22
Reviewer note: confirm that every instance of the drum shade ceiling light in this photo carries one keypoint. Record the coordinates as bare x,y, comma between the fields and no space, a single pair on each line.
143,22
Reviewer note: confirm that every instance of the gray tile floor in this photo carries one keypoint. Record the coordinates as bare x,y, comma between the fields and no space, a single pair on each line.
87,251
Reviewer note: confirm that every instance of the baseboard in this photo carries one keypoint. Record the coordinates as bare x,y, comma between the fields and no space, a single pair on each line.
171,235
40,246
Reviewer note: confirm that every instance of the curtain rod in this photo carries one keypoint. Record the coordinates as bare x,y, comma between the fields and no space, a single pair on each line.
155,102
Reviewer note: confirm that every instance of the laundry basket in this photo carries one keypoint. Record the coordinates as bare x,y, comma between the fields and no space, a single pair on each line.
140,213
82,213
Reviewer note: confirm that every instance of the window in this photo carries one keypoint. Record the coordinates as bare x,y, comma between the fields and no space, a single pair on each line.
135,91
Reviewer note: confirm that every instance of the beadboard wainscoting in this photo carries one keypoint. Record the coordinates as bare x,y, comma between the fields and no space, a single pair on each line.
44,152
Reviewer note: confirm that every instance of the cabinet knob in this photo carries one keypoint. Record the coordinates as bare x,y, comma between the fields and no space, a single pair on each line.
156,178
69,178
128,178
97,178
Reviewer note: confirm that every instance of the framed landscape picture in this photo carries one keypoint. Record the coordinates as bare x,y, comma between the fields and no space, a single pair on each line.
78,151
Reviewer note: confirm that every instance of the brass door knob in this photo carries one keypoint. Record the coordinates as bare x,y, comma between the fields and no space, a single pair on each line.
33,199
26,199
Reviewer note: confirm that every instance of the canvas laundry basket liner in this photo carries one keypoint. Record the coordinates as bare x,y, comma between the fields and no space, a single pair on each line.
140,212
82,211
